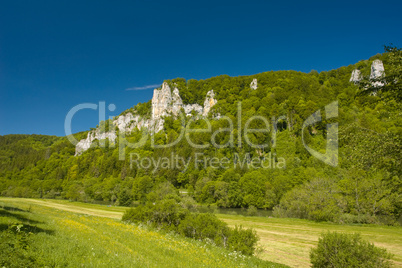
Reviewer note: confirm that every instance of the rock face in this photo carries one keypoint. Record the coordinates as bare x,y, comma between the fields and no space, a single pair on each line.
164,103
193,107
161,101
209,102
177,102
253,84
356,76
377,71
85,144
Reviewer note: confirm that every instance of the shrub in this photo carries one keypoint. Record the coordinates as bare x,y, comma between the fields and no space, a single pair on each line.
166,214
243,240
252,211
315,200
137,214
348,250
205,225
347,218
14,245
172,216
124,197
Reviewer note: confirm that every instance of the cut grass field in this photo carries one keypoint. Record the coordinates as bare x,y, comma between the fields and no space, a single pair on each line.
84,235
286,241
289,241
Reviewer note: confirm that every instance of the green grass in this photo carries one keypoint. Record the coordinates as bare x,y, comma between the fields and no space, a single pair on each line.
289,241
66,236
286,241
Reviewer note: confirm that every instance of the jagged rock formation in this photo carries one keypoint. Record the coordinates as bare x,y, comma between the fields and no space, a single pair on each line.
209,102
377,71
177,102
356,76
192,107
253,84
125,123
164,103
85,144
161,101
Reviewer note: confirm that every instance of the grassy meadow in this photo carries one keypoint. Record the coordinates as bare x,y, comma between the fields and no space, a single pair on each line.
289,241
95,238
73,232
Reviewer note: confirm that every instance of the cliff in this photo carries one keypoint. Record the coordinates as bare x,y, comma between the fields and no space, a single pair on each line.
165,102
377,71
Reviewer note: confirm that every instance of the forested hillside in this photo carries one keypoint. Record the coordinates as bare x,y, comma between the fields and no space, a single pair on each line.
364,186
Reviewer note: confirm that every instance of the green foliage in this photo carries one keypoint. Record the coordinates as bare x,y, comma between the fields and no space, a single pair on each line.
243,240
370,127
143,109
205,226
390,85
141,187
105,126
170,215
252,211
344,250
315,200
65,239
124,198
165,214
355,198
14,245
366,148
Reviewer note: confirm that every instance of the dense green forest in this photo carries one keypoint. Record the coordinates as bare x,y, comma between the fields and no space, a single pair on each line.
365,186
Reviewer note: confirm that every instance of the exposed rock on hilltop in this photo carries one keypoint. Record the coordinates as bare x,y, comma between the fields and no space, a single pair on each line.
377,71
193,107
356,76
96,134
209,102
253,84
164,103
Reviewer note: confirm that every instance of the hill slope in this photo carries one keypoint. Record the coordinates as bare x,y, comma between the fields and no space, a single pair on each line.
217,162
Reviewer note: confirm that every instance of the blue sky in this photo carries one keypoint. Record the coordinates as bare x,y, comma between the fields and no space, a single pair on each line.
57,54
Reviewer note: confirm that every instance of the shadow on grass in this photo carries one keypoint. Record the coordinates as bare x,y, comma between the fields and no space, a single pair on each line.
12,209
27,228
19,217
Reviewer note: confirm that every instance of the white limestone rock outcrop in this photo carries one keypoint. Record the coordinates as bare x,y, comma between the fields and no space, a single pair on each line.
164,103
84,144
377,71
161,101
188,108
356,76
96,134
253,84
177,102
126,122
209,102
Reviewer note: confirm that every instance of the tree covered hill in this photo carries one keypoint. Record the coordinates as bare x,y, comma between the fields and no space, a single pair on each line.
365,185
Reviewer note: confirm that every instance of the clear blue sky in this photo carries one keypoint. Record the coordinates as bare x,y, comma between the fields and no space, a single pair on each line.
57,54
